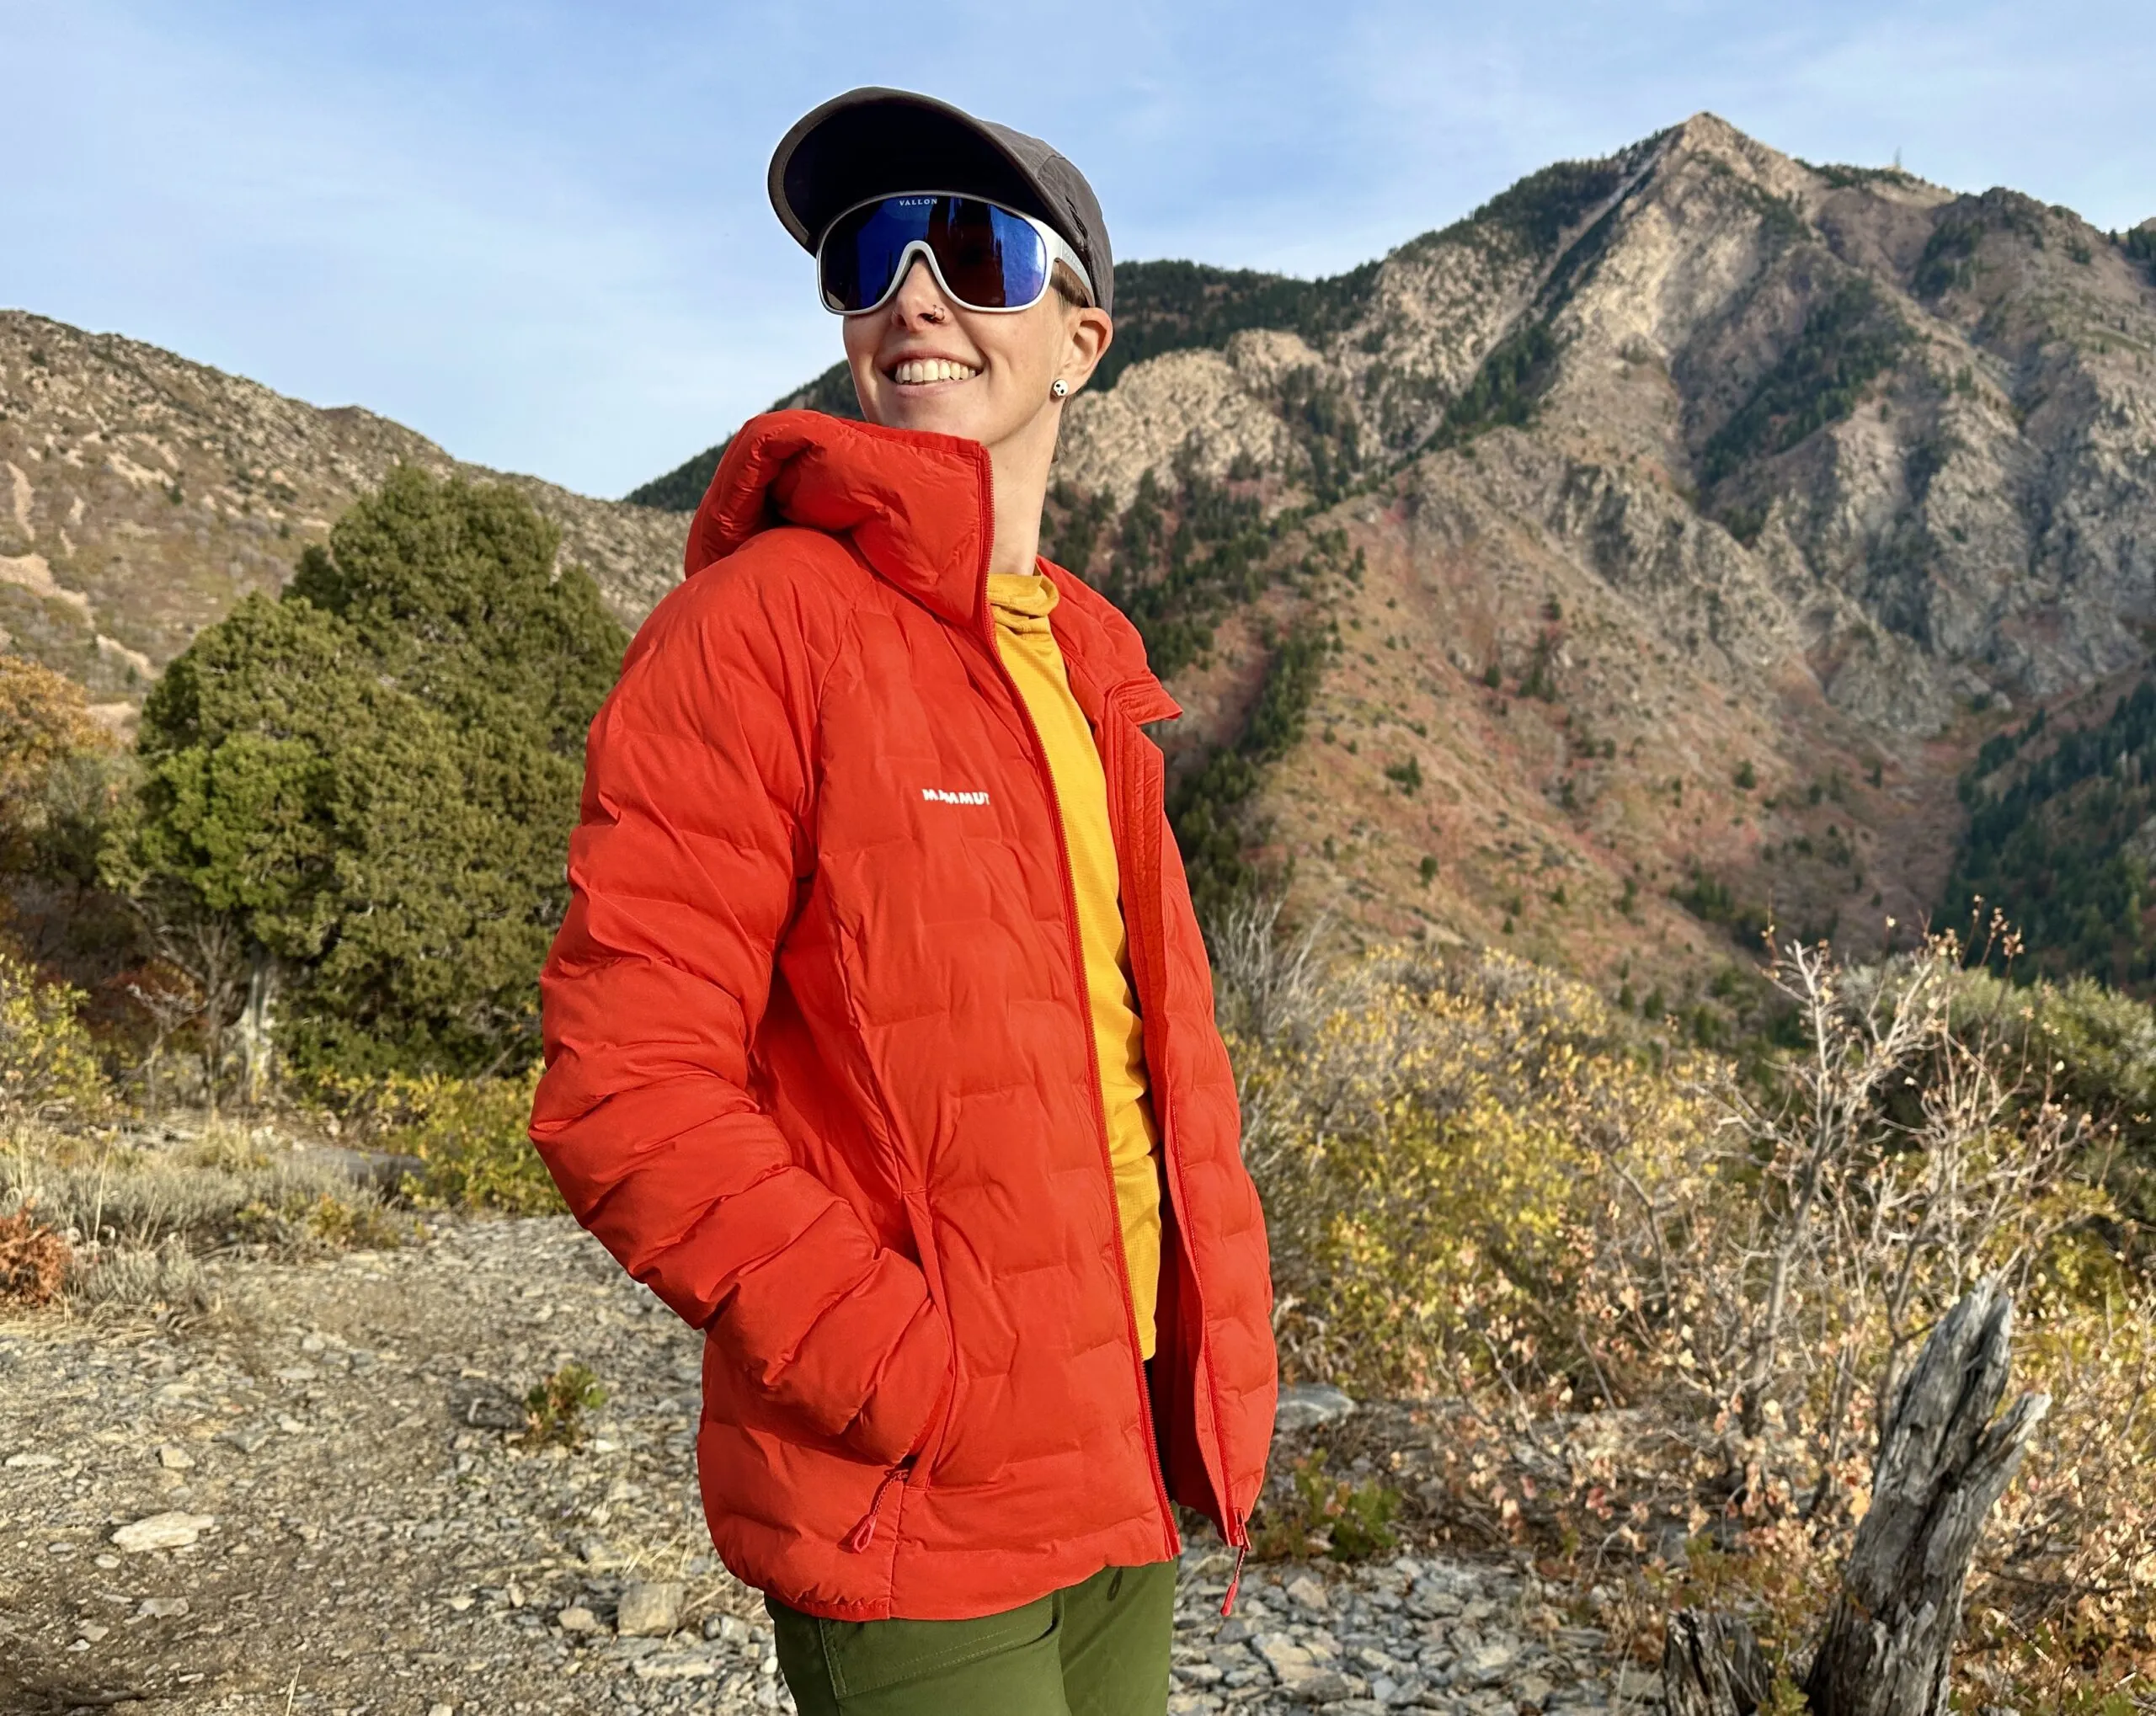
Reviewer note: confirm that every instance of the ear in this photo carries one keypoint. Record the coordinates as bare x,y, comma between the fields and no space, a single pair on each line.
1087,333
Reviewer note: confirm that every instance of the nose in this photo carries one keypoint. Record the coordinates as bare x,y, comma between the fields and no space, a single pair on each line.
918,302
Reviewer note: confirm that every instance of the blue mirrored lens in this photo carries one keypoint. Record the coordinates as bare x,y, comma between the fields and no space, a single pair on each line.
990,259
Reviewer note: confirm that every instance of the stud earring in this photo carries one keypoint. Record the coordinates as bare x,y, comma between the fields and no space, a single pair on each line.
1058,388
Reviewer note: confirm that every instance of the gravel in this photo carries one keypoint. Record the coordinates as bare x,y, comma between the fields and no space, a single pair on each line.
311,1500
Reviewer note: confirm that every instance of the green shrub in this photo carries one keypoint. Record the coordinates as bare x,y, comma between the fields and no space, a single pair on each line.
1320,1513
1541,208
1206,807
1506,386
356,1222
555,1406
2053,840
1852,336
2140,246
48,1069
469,1136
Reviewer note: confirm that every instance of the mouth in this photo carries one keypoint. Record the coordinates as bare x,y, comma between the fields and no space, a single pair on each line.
930,372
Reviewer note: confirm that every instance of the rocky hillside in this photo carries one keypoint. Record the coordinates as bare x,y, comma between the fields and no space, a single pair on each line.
1706,510
1686,520
142,495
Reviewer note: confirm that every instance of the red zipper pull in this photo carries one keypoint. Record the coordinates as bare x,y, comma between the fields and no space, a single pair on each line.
863,1534
1236,1579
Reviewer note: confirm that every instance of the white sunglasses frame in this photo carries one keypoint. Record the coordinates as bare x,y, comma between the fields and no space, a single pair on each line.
1058,250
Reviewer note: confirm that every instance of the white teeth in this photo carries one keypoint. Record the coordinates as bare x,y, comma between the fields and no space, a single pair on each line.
914,371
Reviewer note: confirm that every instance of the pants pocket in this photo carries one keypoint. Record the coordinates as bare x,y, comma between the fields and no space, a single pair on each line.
868,1666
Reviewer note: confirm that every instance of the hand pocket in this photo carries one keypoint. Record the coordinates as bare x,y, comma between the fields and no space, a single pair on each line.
996,1653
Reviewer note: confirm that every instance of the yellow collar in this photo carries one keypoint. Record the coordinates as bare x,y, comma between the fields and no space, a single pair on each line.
1022,601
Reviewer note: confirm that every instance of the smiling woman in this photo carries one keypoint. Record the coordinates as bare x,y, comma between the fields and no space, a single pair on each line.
880,1031
923,360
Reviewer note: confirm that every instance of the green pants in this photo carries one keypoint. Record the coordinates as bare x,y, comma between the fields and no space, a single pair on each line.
1099,1647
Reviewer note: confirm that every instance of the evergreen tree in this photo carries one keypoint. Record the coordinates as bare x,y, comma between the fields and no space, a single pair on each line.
355,798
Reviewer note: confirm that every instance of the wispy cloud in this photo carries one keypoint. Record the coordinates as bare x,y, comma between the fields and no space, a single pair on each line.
537,232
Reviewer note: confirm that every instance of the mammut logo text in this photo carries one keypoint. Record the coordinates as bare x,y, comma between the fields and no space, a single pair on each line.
938,796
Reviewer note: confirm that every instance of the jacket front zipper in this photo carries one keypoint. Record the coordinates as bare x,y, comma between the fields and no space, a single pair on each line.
1236,1579
1234,1527
1077,951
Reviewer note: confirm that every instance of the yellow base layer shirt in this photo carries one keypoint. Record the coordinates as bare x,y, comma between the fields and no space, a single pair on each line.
1021,604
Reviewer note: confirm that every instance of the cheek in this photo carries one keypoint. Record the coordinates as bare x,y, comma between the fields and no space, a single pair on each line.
1025,347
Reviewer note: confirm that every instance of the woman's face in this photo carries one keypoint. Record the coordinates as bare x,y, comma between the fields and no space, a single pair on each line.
921,362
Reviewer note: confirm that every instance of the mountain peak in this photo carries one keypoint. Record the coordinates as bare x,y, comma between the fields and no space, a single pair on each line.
1687,518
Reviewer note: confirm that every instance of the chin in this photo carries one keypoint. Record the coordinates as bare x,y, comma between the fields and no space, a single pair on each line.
939,412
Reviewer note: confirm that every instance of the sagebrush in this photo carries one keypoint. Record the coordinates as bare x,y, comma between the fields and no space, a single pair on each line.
1665,1291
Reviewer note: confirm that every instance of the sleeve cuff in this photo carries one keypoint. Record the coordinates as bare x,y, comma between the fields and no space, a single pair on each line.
909,1400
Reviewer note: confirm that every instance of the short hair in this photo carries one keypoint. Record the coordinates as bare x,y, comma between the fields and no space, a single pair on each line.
1068,286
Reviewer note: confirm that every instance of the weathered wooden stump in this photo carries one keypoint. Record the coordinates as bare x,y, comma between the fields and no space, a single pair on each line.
1711,1666
1943,1460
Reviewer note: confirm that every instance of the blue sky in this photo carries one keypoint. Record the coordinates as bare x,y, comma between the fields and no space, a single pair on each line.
537,232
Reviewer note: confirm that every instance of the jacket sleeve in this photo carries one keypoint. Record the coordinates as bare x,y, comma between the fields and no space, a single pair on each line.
696,822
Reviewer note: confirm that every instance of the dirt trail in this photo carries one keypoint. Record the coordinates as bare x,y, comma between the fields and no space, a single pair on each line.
368,1540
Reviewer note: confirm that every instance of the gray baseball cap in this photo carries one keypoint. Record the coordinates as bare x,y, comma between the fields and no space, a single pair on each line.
884,142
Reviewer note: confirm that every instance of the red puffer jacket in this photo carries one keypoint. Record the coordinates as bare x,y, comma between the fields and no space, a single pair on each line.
820,1071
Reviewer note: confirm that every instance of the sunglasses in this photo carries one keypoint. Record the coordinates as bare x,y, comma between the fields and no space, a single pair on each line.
983,256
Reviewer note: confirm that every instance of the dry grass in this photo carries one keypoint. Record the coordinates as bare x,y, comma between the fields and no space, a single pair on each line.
133,1219
166,1281
218,1190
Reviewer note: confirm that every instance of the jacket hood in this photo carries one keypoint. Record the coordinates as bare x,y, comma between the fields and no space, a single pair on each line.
918,507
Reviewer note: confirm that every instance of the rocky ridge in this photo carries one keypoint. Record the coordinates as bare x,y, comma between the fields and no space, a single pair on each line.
142,495
1711,508
1982,500
1715,507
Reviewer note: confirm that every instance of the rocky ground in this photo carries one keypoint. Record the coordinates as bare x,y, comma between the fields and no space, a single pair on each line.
304,1496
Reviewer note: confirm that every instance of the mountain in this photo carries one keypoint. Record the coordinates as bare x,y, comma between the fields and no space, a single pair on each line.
1641,560
142,496
1706,511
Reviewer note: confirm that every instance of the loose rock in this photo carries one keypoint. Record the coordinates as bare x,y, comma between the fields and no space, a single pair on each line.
335,1553
162,1530
1305,1406
649,1610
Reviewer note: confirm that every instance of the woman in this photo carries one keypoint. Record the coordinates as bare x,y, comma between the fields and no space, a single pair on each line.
879,1032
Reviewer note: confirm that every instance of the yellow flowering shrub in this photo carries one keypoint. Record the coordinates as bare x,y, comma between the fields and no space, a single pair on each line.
468,1135
49,1067
1484,1184
1429,1143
